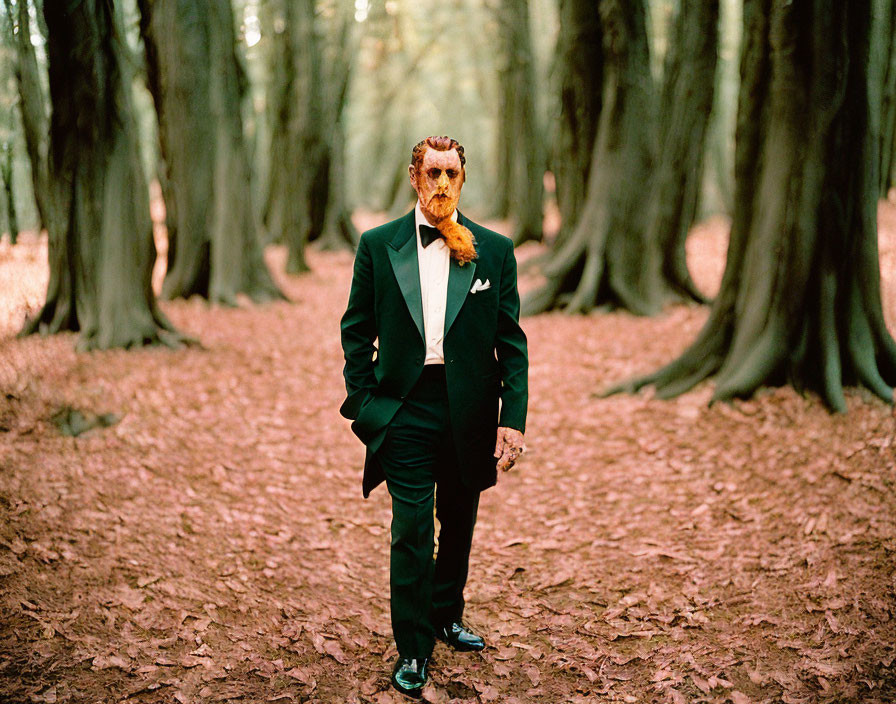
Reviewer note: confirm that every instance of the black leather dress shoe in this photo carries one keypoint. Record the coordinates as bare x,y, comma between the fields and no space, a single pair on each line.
459,637
409,676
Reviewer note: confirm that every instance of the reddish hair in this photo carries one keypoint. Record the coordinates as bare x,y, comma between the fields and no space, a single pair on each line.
440,144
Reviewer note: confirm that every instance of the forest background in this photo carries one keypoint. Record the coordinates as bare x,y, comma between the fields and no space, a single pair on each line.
697,184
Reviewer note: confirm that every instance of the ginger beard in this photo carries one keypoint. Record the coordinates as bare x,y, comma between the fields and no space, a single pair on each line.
438,182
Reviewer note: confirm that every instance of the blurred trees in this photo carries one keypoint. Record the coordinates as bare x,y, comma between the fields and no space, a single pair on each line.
686,99
800,299
298,179
101,258
306,101
33,109
393,62
623,239
198,83
885,48
12,218
8,127
339,56
580,87
521,150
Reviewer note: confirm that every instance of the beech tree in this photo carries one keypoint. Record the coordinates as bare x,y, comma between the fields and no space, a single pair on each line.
521,152
197,83
885,48
339,50
800,298
101,257
298,181
32,107
12,218
580,71
626,213
620,155
677,173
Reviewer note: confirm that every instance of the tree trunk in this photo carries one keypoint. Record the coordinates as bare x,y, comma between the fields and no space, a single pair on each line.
885,36
689,80
580,65
602,258
800,298
339,231
101,260
521,159
299,178
6,153
625,244
194,76
32,105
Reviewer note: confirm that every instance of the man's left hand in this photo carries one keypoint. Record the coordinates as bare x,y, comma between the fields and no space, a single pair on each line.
508,447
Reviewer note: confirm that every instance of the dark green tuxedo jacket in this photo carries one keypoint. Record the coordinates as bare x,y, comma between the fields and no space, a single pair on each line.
485,348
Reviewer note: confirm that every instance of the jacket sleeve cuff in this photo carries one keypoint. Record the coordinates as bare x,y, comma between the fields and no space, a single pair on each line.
509,419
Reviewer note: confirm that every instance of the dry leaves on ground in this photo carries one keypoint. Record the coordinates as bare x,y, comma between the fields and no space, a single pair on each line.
212,544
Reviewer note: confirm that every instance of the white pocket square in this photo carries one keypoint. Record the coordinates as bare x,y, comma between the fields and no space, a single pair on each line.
479,286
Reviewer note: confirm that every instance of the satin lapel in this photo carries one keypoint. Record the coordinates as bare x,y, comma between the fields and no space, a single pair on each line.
403,257
460,278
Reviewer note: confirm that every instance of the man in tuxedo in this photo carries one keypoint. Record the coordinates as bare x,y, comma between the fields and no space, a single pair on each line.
436,371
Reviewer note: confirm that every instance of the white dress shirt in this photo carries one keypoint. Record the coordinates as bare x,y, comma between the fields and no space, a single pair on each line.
433,263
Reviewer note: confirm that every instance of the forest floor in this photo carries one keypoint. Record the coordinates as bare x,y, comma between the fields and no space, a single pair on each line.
213,546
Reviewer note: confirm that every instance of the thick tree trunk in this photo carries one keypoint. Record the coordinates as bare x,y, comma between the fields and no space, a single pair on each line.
521,159
602,259
101,260
32,105
800,297
689,80
194,77
580,65
626,244
298,184
12,219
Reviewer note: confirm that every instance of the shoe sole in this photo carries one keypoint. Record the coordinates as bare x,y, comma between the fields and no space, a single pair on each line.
462,648
415,693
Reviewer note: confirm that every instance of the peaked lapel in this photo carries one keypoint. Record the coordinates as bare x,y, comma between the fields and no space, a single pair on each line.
403,257
459,281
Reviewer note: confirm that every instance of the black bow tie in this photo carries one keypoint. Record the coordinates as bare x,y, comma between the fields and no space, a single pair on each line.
428,235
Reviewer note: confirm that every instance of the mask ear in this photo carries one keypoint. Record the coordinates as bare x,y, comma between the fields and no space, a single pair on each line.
412,174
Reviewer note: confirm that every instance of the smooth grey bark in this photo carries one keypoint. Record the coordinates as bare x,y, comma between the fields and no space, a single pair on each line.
800,298
195,78
101,260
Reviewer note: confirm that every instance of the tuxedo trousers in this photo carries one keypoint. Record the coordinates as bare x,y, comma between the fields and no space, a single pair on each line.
419,460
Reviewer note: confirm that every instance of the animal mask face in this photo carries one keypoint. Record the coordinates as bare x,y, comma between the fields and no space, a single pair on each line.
438,181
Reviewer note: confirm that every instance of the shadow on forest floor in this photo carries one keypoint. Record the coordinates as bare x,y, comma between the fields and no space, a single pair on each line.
213,544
